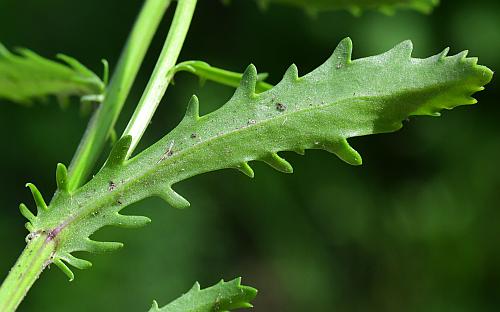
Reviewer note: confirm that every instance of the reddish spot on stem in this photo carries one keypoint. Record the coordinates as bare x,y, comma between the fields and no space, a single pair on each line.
52,234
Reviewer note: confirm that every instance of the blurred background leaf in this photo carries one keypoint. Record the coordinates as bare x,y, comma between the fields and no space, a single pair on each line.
413,229
356,7
26,76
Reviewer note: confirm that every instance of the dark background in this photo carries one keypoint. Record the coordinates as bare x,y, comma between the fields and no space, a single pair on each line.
416,228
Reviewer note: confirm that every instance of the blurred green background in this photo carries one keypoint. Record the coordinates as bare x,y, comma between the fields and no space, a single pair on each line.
416,228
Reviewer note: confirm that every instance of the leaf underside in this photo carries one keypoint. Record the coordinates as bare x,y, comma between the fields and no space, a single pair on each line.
356,7
342,98
26,76
224,296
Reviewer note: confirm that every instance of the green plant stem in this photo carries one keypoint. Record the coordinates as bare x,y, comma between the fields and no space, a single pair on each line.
162,74
38,252
33,260
103,121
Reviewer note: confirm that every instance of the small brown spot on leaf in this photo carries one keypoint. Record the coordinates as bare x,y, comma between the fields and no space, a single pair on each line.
280,107
111,186
169,152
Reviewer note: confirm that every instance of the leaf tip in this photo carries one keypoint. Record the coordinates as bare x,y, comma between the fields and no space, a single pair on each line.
402,50
173,198
343,53
193,109
344,151
78,263
26,212
37,196
154,306
127,221
101,247
292,73
62,177
246,169
29,226
119,152
105,72
443,54
196,287
278,163
64,268
248,82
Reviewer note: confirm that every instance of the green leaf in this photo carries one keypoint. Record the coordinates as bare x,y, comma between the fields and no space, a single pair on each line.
26,76
206,72
355,6
225,296
341,99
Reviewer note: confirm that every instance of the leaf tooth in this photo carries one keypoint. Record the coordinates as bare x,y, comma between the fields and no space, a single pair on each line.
247,84
119,152
99,247
66,270
154,307
443,54
127,221
37,196
173,198
472,60
278,163
75,64
27,53
469,100
62,177
196,287
76,262
344,151
193,109
246,169
29,227
342,54
462,55
402,51
26,212
105,72
292,73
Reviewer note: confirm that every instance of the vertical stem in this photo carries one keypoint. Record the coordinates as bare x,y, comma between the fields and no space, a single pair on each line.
104,119
35,257
162,74
39,251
